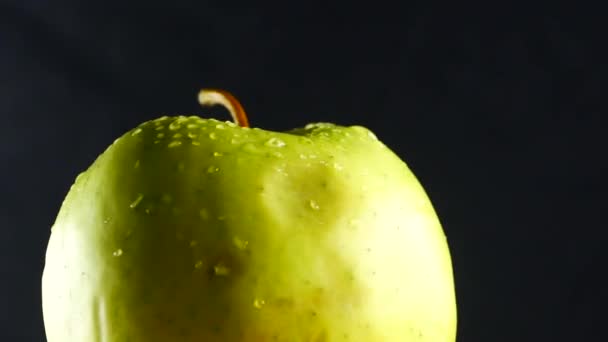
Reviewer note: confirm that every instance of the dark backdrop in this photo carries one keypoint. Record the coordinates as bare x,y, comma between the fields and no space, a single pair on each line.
499,110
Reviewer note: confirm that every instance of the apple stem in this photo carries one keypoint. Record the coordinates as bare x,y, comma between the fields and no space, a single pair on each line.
213,97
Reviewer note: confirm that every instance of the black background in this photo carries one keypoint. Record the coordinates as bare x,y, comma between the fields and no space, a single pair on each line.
497,108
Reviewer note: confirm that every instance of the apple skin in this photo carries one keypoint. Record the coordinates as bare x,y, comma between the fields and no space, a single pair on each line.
189,229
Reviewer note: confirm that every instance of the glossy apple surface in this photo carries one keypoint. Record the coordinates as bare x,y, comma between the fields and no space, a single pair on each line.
190,229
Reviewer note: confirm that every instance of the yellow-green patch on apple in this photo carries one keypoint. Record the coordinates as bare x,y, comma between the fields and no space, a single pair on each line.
190,229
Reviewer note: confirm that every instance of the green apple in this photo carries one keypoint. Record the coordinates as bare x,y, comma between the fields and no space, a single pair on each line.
189,229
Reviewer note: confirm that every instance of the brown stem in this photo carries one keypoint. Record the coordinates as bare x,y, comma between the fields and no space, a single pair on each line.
213,97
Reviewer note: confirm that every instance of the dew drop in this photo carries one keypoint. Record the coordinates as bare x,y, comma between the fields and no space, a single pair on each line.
198,265
177,135
107,220
220,126
193,243
136,132
313,204
250,148
160,135
117,252
277,154
192,135
160,128
221,269
338,166
192,126
136,202
258,303
230,124
175,125
303,156
240,243
156,141
212,169
217,154
174,143
274,142
212,136
137,164
233,141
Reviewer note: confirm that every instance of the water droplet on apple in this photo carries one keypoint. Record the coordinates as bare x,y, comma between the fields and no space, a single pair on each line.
156,141
338,166
303,156
250,148
177,135
230,124
192,135
220,269
195,143
192,126
160,128
313,204
274,142
240,243
137,164
258,303
220,126
136,132
175,125
174,143
198,265
149,210
193,243
277,154
212,169
136,202
212,136
217,154
107,220
203,214
117,252
234,141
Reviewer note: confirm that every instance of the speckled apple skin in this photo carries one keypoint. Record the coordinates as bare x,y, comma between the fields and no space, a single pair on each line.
189,229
